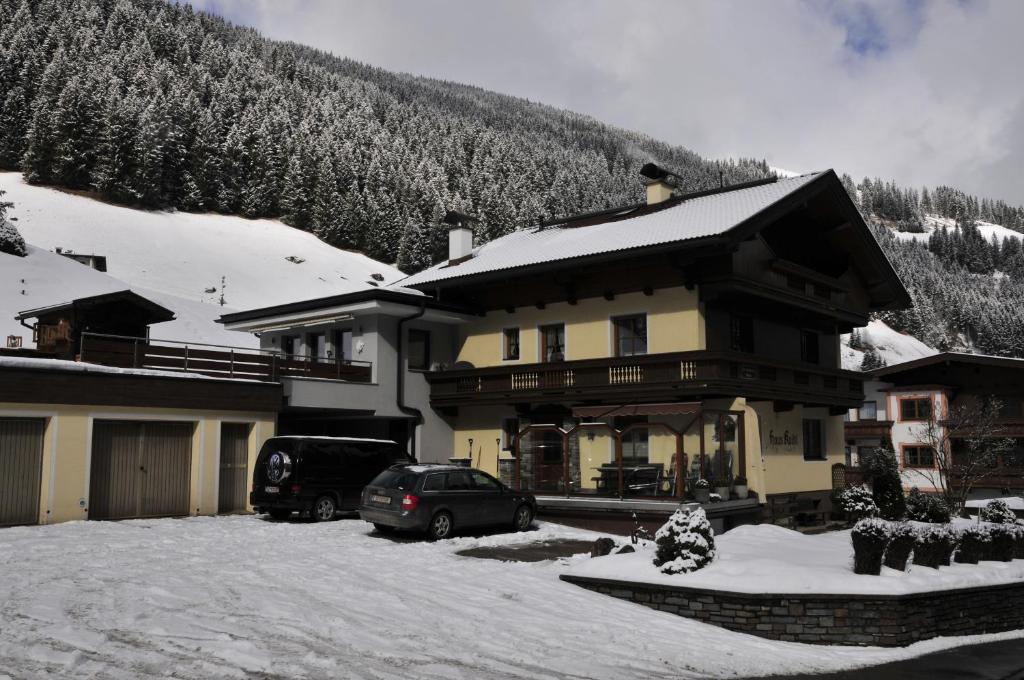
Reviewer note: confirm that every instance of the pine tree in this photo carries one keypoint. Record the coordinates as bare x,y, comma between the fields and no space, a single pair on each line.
685,543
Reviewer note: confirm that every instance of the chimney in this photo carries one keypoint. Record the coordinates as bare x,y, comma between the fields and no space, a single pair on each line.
460,236
659,188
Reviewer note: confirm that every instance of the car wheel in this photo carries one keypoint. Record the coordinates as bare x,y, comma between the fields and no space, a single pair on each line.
440,527
280,515
383,528
324,509
523,518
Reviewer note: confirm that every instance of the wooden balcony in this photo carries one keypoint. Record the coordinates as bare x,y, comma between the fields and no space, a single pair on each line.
215,360
651,377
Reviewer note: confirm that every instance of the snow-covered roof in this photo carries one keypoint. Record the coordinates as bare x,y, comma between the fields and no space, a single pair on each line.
42,364
698,217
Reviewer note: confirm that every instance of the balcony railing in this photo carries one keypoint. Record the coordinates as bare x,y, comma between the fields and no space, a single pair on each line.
704,373
216,360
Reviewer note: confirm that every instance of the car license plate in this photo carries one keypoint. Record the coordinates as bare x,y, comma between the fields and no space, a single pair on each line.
272,489
385,500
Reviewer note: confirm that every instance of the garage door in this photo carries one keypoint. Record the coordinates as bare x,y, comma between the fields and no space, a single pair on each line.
21,469
234,467
140,469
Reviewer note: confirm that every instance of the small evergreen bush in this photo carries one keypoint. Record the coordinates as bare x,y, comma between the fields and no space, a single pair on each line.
974,545
870,537
997,512
857,503
11,241
922,507
902,538
928,546
685,542
950,542
1002,545
886,486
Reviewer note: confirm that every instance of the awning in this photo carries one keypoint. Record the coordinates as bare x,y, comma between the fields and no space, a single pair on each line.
608,410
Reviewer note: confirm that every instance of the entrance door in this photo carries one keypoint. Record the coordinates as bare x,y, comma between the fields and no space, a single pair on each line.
234,467
21,469
140,469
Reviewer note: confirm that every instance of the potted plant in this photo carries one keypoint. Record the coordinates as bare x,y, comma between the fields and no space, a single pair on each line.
701,491
739,487
721,487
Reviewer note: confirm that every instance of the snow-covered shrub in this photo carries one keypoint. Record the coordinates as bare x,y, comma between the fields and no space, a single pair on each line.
930,545
11,241
870,537
997,512
922,507
701,484
902,537
974,545
856,502
886,485
714,498
685,542
1002,544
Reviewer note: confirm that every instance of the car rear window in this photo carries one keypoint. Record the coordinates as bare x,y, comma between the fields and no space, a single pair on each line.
395,479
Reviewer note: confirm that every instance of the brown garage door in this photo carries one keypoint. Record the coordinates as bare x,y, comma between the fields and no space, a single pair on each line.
139,469
234,466
21,469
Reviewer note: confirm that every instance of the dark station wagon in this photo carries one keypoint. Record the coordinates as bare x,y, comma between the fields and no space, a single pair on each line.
438,499
318,476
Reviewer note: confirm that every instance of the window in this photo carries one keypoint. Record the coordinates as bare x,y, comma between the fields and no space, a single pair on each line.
459,481
343,344
419,349
510,344
316,345
809,348
634,442
630,335
814,439
869,410
552,342
915,409
741,333
509,430
434,483
482,482
918,457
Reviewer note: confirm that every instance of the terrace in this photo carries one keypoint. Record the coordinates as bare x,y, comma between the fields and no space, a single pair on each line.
217,361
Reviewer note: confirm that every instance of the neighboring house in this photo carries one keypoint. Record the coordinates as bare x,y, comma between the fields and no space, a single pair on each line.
81,440
632,351
900,399
368,354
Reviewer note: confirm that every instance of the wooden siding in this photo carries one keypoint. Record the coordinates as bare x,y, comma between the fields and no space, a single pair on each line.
21,468
234,467
46,386
140,469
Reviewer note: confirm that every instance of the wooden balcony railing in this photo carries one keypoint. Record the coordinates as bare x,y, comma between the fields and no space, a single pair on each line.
216,360
703,373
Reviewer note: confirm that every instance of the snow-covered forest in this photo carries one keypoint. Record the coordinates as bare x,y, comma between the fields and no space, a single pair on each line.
150,104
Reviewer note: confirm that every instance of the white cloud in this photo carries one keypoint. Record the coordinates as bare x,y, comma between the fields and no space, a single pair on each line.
921,93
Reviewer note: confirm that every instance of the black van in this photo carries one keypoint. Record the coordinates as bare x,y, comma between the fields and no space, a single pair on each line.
318,476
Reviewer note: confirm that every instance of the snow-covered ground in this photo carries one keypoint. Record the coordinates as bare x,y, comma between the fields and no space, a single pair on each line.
933,222
772,559
894,347
1012,502
179,258
242,597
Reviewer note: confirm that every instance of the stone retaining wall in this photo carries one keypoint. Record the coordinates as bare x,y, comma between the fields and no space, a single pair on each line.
881,620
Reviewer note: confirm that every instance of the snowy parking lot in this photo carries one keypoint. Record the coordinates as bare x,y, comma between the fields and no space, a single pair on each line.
244,597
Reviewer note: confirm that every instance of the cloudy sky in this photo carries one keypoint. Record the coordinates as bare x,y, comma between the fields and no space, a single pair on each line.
917,91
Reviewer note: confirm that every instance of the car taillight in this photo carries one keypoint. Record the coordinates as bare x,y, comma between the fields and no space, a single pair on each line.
410,502
296,488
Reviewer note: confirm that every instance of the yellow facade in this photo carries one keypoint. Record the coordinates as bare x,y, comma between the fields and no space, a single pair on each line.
674,324
67,446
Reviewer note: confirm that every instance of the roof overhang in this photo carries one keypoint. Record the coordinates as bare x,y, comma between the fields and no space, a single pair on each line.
157,313
612,410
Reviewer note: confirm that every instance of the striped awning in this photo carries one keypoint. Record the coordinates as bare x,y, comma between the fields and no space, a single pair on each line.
610,410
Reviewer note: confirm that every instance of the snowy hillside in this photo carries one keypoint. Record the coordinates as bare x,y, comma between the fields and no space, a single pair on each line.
933,222
185,255
43,278
892,346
